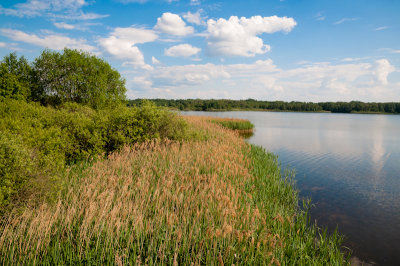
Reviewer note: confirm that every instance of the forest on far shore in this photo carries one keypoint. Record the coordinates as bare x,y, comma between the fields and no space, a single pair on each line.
294,106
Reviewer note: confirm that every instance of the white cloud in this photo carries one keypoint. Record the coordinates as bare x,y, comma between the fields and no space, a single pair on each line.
389,50
383,69
173,24
68,9
63,25
121,44
195,18
142,82
264,80
239,36
355,59
345,20
184,50
381,28
79,16
135,35
3,44
52,41
154,61
187,74
83,26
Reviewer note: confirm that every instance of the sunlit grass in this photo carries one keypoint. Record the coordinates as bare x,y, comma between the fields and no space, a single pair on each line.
212,200
242,126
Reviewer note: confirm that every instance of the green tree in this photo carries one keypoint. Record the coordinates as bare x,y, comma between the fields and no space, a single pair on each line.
77,76
15,77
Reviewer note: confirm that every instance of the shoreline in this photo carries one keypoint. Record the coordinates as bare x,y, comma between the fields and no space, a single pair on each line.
279,111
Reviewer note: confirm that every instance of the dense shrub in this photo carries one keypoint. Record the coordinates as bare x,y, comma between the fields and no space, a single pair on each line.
16,165
42,140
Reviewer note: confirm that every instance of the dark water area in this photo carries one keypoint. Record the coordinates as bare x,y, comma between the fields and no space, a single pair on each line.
348,164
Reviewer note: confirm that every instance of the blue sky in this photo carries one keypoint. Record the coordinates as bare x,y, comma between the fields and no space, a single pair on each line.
262,49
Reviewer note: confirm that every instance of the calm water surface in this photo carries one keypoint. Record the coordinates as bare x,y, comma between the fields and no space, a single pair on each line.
349,164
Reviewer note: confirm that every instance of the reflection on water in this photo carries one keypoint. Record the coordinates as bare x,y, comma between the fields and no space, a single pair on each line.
246,133
348,164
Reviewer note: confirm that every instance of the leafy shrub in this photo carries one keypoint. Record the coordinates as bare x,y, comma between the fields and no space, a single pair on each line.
47,139
16,165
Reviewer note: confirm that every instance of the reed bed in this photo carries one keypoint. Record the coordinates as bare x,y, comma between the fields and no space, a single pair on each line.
242,126
214,200
233,123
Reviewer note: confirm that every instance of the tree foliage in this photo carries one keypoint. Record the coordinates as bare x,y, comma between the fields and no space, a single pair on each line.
15,77
77,76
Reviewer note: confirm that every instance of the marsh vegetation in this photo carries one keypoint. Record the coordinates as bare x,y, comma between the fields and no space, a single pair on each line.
209,200
86,180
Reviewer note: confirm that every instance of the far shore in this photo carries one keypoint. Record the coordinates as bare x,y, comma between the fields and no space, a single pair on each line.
280,111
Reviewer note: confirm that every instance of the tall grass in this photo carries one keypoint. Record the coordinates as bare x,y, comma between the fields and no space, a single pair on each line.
242,126
215,200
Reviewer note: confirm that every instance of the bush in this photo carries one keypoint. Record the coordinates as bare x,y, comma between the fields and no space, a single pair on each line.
16,165
43,140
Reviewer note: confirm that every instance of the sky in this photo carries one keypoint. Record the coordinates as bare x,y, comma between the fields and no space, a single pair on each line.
289,50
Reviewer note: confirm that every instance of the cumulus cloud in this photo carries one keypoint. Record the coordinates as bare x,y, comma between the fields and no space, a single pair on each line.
3,44
52,41
173,24
53,8
239,36
195,18
184,50
121,44
382,70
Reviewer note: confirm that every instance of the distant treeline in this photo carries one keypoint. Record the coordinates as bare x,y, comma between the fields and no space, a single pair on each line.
251,104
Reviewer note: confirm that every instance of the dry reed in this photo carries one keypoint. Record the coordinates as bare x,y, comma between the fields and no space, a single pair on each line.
163,202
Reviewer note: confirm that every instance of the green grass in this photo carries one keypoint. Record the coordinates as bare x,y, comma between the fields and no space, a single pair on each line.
234,124
308,244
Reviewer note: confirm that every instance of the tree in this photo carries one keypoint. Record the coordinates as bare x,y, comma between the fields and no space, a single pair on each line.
77,76
15,77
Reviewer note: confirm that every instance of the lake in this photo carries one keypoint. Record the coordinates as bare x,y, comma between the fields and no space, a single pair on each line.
348,164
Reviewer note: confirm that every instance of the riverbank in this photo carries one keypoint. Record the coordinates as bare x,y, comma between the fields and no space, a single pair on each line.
212,199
